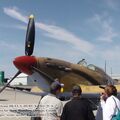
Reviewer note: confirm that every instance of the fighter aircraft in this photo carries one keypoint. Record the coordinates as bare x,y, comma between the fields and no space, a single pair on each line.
45,70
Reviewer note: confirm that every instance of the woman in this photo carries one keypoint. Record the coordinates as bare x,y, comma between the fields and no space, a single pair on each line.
109,102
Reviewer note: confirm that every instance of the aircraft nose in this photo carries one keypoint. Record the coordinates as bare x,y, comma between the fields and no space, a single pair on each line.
24,63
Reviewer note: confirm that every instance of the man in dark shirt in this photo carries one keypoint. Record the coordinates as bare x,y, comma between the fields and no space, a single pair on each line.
77,108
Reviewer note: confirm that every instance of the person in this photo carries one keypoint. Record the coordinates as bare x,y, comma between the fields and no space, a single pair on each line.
99,113
109,103
78,108
50,106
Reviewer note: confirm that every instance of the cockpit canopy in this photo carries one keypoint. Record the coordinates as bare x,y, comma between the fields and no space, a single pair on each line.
96,69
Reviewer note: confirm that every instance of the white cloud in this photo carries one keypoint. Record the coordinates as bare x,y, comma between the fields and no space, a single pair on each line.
112,54
113,4
12,12
21,27
9,46
105,27
108,33
62,34
55,32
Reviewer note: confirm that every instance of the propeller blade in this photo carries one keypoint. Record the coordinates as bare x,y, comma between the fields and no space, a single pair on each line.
30,36
10,81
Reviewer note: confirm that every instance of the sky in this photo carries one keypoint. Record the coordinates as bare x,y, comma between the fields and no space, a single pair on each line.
69,30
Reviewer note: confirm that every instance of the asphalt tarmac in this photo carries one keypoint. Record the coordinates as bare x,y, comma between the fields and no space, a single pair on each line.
10,98
14,97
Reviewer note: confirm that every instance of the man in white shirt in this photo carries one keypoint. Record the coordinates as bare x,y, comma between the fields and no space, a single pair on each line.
50,106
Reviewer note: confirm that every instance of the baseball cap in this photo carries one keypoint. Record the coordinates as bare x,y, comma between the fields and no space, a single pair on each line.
56,85
102,86
76,89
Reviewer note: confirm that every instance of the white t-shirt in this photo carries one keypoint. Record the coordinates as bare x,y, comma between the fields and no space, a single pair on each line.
50,107
109,107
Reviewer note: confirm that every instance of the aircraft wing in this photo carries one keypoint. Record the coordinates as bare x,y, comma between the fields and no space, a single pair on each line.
21,88
93,98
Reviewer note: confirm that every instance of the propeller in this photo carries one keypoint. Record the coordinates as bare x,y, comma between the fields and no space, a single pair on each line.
29,44
10,81
30,36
